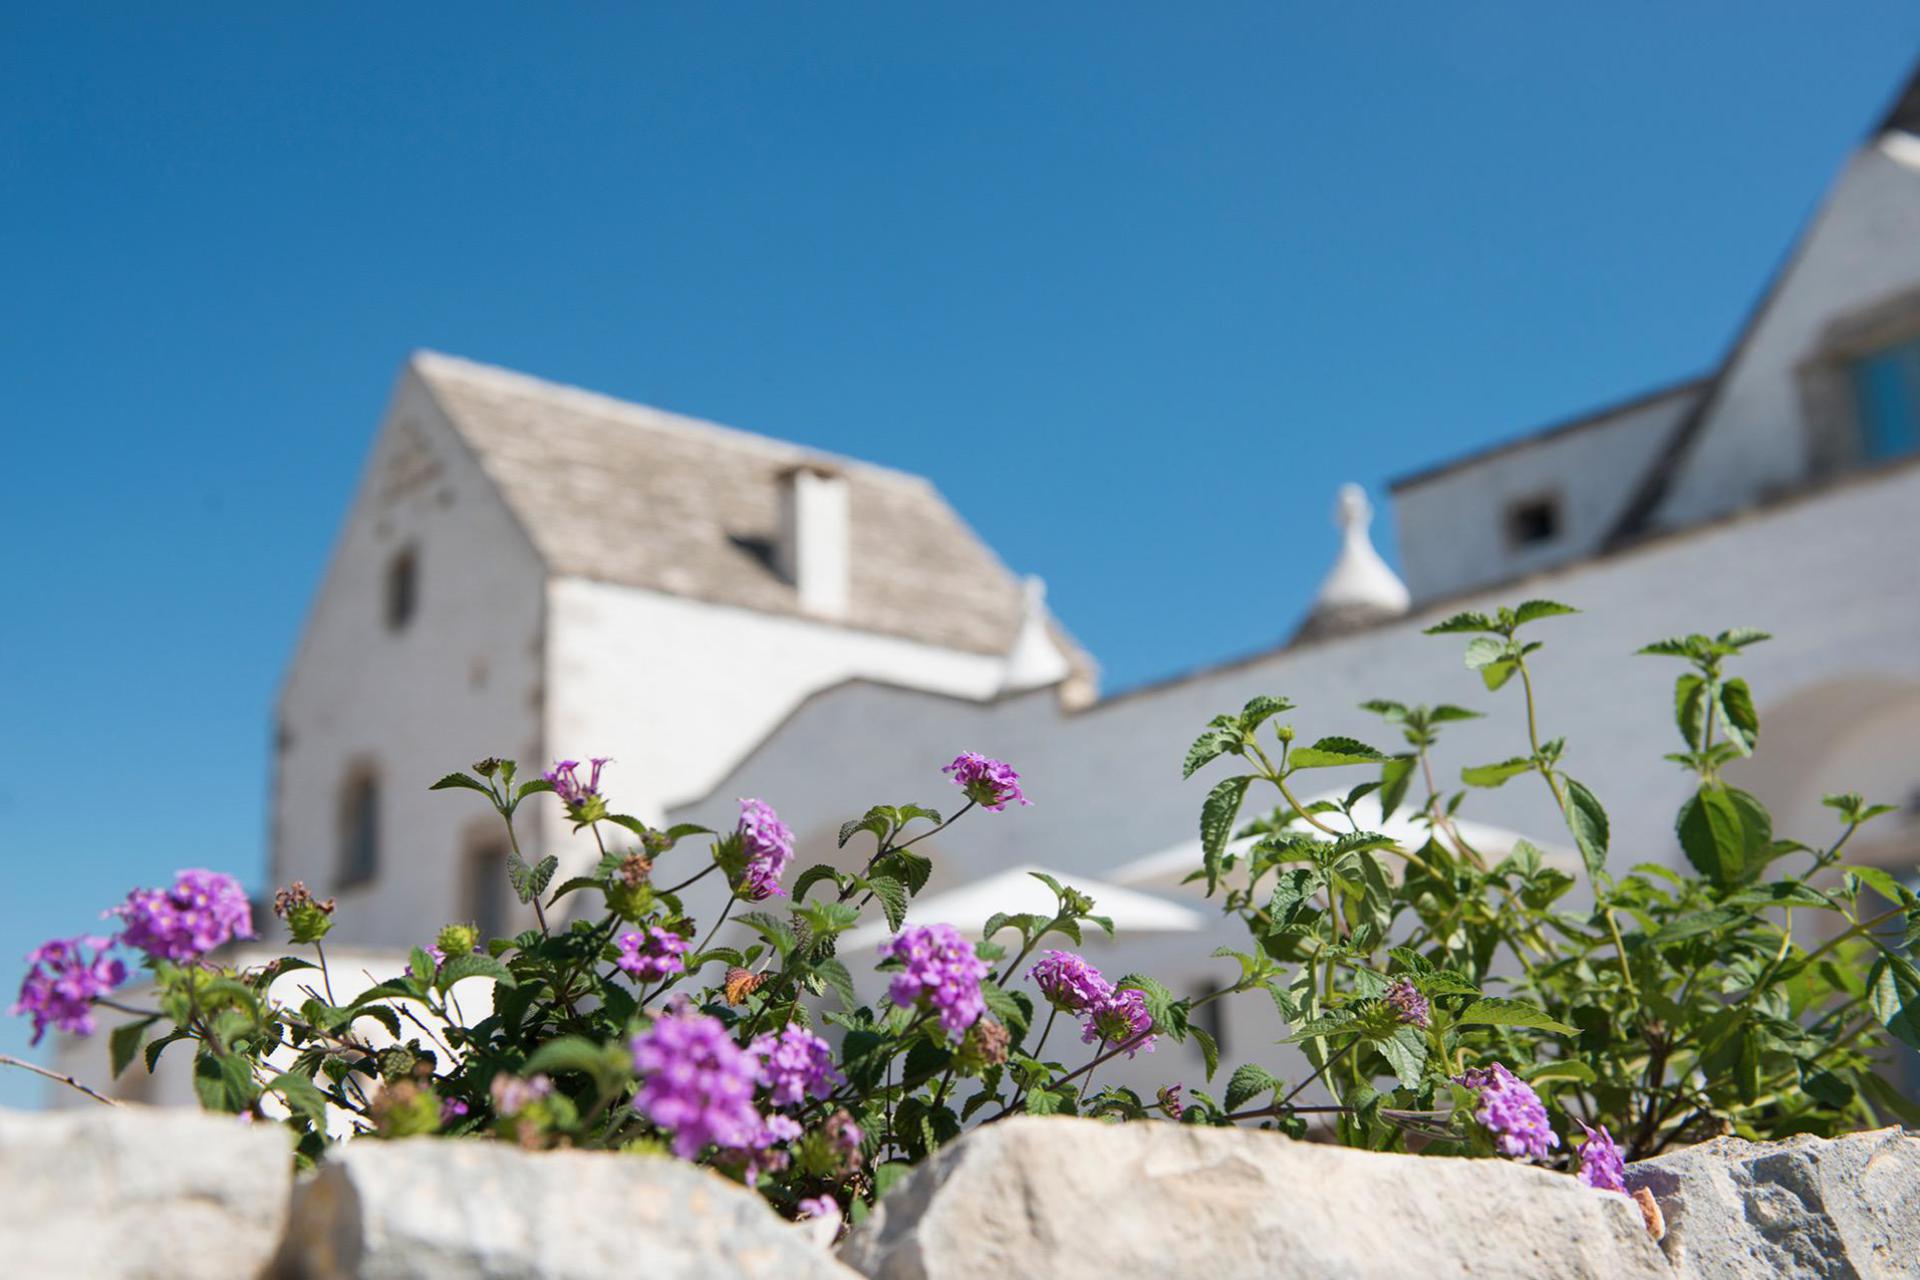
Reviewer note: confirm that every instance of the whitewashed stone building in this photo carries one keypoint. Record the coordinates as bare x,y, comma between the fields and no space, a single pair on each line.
536,570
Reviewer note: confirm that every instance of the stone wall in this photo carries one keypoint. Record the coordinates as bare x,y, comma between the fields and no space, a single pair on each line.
160,1194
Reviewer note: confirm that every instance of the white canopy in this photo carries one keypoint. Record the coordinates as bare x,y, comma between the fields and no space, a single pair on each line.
968,907
1165,870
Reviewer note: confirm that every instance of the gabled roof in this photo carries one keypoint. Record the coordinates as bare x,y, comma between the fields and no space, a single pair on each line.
621,493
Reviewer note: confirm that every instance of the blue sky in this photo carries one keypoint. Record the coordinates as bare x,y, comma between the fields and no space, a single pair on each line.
1138,285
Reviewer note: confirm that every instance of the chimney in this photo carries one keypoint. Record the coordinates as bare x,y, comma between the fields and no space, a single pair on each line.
814,550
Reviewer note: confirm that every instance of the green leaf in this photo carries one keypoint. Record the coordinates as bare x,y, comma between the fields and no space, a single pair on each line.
1695,923
1446,711
1893,993
1291,892
462,780
825,919
223,1082
534,788
892,896
302,1095
1483,651
1690,708
1222,806
1493,775
473,965
834,973
159,1043
125,1042
575,885
1247,1083
542,875
1496,1011
1461,622
1561,1069
1329,753
1588,823
874,821
1220,736
1261,709
1531,610
1725,832
1738,717
571,1053
1406,1052
1208,1049
811,876
1396,775
1883,883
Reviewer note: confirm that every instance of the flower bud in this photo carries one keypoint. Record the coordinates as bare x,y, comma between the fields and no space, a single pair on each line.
308,918
985,1045
457,940
405,1110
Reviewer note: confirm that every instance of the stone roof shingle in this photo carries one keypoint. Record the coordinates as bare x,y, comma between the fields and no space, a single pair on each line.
622,493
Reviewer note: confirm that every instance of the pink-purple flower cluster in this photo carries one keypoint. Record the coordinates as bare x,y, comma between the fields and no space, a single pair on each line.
1408,1004
795,1064
565,778
62,982
988,782
1120,1020
1602,1166
696,1083
942,972
819,1207
202,910
1069,983
1511,1111
651,952
768,846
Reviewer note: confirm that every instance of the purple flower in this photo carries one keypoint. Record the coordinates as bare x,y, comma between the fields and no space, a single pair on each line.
696,1083
652,952
62,983
203,910
1511,1111
452,1109
820,1207
843,1135
1602,1166
435,954
1409,1004
567,785
942,972
1120,1019
1068,982
987,782
795,1064
768,846
1171,1103
512,1095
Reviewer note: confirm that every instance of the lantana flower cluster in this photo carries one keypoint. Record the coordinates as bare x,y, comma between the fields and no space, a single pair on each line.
940,973
1110,1016
768,846
1511,1111
989,783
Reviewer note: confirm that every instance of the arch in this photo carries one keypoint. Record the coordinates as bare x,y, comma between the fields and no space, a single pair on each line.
357,855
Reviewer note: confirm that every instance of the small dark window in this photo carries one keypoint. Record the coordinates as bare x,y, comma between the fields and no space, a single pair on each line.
360,831
403,588
1211,1016
1886,391
486,890
1532,521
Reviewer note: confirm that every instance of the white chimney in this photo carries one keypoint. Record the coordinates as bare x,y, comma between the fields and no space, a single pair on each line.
814,550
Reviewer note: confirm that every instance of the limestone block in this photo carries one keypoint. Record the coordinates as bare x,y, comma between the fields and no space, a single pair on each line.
488,1211
1837,1208
137,1193
1071,1199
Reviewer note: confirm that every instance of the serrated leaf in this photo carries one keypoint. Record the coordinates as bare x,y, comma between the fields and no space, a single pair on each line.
1329,753
1291,893
1396,775
1247,1083
1738,717
834,973
473,965
453,780
1209,1051
1406,1052
1220,736
1460,623
1587,821
1496,1011
302,1096
811,876
1532,610
1217,814
1261,709
1893,993
892,896
1725,832
874,820
1483,651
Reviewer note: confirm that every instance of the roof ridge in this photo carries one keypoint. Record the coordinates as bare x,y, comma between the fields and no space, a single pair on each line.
431,364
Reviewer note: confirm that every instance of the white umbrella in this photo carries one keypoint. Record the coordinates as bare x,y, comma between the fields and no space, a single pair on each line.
1013,891
1166,869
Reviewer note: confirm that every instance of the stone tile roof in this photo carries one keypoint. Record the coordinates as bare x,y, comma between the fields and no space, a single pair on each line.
622,493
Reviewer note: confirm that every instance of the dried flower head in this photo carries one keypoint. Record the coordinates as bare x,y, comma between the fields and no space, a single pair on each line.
635,870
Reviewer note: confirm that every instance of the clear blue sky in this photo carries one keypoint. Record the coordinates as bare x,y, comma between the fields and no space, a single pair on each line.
1138,285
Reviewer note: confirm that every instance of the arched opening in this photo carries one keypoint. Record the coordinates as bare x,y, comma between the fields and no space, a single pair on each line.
402,588
358,858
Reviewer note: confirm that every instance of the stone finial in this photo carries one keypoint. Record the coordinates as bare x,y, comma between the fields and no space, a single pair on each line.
1034,661
1360,589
